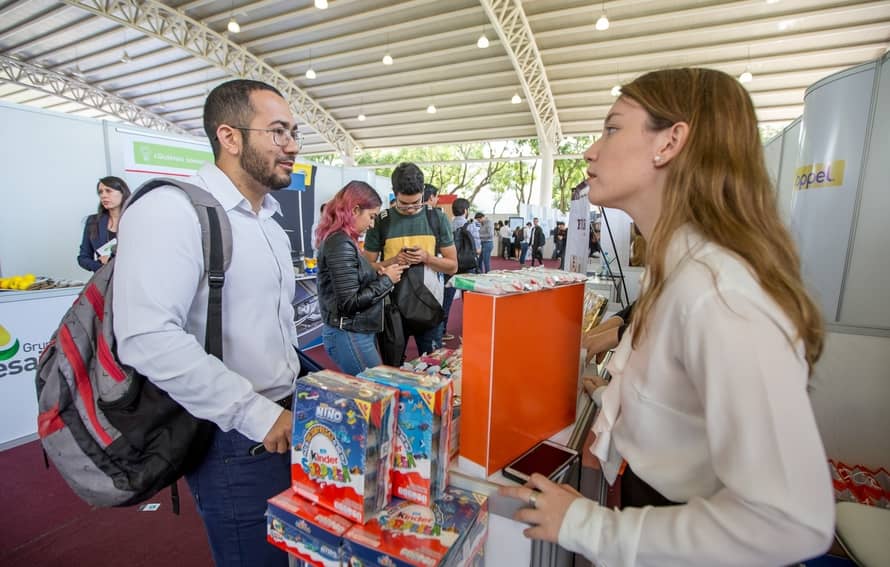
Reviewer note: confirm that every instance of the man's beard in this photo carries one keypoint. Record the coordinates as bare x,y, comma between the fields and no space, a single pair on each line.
255,165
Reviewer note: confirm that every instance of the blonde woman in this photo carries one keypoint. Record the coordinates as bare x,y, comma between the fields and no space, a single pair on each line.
708,404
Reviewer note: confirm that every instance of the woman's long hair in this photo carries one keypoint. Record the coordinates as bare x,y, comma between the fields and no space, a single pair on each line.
338,213
718,184
118,185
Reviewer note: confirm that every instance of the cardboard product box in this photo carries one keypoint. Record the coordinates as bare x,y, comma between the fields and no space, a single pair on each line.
310,533
423,438
342,450
407,534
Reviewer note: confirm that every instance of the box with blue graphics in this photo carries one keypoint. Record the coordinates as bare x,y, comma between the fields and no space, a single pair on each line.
449,533
422,443
342,445
310,533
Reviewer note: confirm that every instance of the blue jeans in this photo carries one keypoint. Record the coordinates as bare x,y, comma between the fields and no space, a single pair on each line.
353,352
523,253
427,340
485,256
230,488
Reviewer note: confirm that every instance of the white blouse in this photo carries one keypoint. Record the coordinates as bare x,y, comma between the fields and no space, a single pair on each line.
711,409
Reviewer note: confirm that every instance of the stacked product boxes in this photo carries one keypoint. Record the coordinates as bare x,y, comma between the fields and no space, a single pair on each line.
338,511
420,467
449,533
342,443
308,532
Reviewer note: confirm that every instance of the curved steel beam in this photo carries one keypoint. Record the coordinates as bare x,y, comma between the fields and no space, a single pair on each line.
508,19
69,88
170,26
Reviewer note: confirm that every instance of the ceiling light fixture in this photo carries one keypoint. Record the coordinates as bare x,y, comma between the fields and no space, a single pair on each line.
387,58
482,42
362,117
431,109
310,72
516,99
233,25
125,57
321,4
602,23
747,76
616,90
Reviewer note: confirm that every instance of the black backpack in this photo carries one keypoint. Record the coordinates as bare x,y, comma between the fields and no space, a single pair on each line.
467,261
115,437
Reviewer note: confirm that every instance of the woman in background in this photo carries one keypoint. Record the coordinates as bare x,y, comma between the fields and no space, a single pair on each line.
101,228
350,292
708,403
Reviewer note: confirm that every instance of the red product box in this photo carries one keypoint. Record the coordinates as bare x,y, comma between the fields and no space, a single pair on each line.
308,532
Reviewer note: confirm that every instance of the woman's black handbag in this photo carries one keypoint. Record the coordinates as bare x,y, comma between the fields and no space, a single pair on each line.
419,307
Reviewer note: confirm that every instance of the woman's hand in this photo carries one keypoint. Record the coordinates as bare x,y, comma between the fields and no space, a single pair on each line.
393,272
104,259
548,503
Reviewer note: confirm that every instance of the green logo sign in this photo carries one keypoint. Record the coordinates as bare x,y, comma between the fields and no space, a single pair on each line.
169,156
7,350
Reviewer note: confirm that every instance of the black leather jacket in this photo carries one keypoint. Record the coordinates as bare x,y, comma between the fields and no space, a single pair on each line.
350,293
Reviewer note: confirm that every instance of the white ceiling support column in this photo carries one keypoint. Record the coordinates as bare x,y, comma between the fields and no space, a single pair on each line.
508,19
69,88
166,24
545,196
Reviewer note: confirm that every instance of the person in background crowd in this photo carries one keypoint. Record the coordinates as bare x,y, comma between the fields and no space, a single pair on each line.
430,195
593,244
350,291
526,235
536,242
101,228
486,237
715,364
409,239
518,239
506,236
554,254
160,306
460,209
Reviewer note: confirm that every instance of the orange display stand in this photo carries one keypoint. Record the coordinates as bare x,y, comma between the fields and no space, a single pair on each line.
520,373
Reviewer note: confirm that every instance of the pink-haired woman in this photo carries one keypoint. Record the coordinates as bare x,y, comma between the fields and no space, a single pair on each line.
350,291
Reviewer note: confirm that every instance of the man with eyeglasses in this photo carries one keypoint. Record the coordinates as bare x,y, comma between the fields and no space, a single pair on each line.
160,307
407,236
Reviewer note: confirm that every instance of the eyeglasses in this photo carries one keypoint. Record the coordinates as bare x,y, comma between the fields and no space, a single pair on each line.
408,206
281,137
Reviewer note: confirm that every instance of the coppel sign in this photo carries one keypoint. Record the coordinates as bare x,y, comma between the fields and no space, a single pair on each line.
819,175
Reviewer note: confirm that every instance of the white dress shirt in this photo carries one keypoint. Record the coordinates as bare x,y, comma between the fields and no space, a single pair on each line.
711,408
160,306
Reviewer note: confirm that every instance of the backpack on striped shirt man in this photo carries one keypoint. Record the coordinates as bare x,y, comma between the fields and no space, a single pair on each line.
115,437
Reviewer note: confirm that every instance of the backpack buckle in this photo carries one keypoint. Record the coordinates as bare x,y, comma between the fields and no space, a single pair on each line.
216,279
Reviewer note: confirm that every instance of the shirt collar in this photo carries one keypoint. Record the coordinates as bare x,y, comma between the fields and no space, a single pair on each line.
220,186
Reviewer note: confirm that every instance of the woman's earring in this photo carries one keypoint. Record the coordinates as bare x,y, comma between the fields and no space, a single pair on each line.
657,160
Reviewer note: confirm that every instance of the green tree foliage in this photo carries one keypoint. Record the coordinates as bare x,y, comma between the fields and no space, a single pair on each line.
567,173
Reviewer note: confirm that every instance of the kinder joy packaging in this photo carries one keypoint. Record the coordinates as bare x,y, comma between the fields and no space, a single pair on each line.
310,533
410,535
420,464
342,443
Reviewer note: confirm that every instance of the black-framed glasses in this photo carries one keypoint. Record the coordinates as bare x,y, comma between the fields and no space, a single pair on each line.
281,137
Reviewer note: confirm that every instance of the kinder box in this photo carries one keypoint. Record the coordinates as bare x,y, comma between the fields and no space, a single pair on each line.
343,443
308,532
406,534
420,463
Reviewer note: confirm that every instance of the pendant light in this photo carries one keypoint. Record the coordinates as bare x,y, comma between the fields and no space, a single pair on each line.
310,72
482,42
321,4
516,99
602,23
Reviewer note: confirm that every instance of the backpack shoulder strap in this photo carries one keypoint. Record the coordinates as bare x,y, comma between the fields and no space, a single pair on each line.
432,218
216,242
